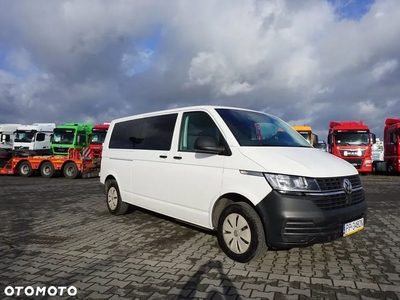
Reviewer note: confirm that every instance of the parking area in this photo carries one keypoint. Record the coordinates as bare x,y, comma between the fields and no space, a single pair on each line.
58,232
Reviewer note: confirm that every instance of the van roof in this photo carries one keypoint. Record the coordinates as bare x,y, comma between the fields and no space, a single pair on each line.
180,109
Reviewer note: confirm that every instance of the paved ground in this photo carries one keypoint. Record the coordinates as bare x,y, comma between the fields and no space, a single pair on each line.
58,232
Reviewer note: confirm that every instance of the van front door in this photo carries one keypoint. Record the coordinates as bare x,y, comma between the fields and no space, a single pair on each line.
195,178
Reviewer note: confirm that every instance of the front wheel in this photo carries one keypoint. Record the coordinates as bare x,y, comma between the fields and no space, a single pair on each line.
240,233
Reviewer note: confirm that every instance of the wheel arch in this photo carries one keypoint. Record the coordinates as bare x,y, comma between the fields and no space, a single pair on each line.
21,161
107,181
225,200
65,163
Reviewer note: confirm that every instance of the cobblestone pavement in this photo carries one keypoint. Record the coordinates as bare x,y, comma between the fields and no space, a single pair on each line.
58,232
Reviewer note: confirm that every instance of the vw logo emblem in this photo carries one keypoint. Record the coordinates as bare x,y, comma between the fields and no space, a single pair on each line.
348,188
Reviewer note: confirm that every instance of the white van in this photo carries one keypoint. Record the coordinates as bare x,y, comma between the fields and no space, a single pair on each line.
246,174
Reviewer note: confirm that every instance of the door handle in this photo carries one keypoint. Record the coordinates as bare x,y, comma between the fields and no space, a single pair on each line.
163,156
177,157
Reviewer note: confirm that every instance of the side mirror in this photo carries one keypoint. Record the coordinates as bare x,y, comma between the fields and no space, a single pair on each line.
329,139
373,138
208,144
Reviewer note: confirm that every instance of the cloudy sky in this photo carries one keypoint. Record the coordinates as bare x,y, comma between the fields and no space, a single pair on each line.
308,62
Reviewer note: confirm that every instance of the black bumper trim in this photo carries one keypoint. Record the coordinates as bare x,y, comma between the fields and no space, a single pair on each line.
296,221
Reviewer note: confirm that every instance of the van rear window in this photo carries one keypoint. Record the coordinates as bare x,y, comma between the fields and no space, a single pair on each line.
151,133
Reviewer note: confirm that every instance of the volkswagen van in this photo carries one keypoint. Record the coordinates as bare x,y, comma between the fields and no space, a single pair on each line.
247,175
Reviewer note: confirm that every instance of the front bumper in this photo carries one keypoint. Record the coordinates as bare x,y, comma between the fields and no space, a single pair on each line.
297,221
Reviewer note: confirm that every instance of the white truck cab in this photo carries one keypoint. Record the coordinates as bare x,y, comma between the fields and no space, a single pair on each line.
246,174
7,135
35,137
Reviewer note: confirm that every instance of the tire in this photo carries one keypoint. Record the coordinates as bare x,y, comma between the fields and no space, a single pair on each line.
114,202
25,169
47,170
253,239
71,171
390,168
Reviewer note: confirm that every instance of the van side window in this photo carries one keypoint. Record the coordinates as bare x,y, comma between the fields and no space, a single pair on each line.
195,124
151,133
126,135
157,132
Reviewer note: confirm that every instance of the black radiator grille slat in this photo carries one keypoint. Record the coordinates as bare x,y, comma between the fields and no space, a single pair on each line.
333,196
332,184
60,149
337,201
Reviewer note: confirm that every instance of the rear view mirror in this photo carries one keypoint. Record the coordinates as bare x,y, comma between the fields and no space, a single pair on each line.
208,144
373,138
329,139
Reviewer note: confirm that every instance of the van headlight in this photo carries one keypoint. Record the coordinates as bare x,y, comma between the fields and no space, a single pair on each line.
290,183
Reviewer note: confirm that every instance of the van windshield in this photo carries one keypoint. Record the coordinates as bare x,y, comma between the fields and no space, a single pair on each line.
260,129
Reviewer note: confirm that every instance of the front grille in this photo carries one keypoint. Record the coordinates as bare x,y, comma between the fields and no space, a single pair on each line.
357,163
334,184
338,200
61,150
333,195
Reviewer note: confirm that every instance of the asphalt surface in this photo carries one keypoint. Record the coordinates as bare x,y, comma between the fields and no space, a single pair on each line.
58,232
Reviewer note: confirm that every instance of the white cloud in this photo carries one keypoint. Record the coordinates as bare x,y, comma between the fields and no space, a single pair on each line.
293,58
384,68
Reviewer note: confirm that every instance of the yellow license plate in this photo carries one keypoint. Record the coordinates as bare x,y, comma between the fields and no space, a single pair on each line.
353,227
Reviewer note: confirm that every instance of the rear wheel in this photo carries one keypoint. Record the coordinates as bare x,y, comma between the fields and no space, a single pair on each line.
115,204
240,233
390,167
47,170
25,169
71,170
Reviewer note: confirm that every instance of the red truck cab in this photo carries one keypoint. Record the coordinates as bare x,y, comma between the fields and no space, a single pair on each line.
97,137
391,147
352,141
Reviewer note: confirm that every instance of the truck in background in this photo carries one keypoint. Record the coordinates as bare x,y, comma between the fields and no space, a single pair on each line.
322,145
7,135
70,135
73,165
97,138
307,133
34,138
391,148
352,141
377,151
